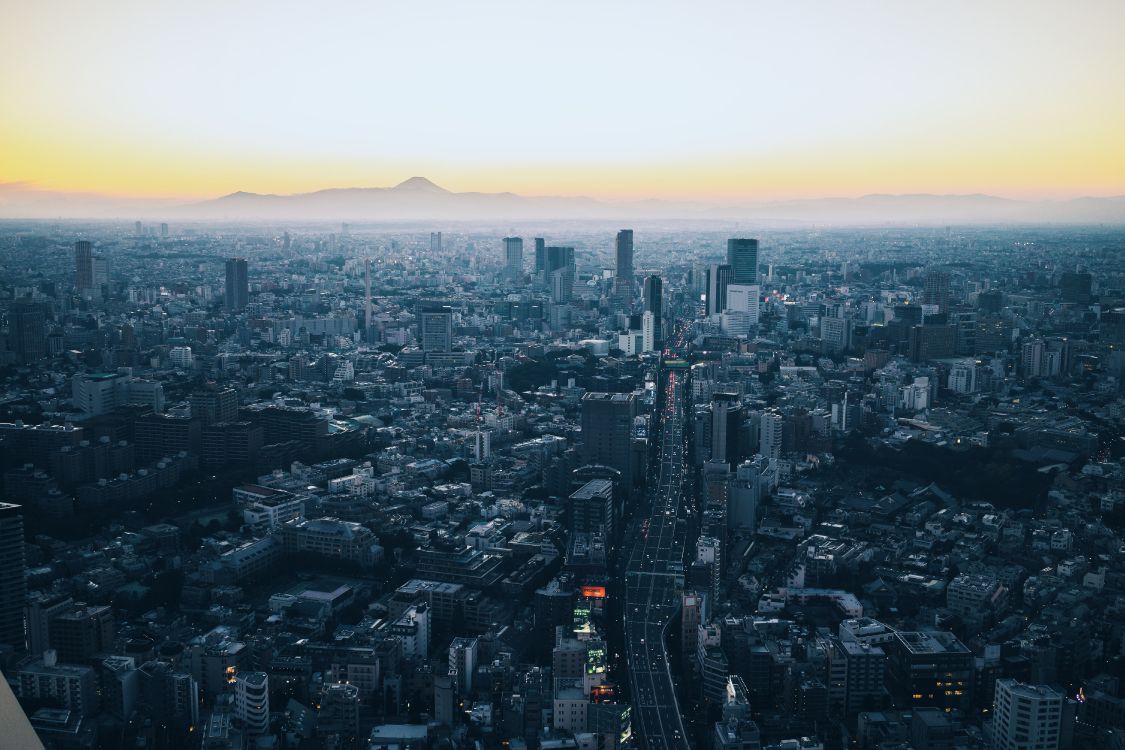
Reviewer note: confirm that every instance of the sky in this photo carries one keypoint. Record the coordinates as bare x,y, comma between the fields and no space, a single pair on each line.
615,100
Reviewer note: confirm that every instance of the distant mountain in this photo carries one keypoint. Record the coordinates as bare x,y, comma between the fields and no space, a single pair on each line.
419,199
415,199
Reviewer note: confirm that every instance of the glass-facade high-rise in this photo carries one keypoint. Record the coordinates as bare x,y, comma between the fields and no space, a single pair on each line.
238,285
513,258
742,257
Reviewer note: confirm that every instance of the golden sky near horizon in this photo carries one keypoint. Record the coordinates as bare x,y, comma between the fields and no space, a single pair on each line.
629,99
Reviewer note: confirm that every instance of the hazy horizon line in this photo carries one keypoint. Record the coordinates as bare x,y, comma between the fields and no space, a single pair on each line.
34,187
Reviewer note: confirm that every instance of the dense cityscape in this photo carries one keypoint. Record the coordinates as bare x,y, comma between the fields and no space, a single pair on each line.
575,488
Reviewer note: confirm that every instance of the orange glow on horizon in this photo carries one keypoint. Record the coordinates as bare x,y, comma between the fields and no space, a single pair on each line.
195,101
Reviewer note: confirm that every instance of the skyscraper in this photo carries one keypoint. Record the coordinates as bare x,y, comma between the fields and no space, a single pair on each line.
1026,716
936,289
744,298
725,420
13,575
540,255
435,328
238,285
367,310
435,242
560,273
83,265
607,428
27,330
623,278
648,331
742,257
654,303
718,278
513,258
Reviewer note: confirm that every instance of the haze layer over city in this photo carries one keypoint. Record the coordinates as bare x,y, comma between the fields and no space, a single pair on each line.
594,377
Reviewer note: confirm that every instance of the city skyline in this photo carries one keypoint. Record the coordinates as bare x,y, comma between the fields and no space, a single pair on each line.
739,103
521,376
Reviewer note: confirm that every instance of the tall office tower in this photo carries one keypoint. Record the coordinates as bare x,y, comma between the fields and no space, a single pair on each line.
718,278
742,257
725,423
540,255
623,278
648,331
138,228
654,303
936,289
513,258
238,285
27,330
163,229
83,265
13,575
561,286
435,242
252,702
772,425
367,298
559,258
435,328
101,274
1027,716
744,298
607,429
560,273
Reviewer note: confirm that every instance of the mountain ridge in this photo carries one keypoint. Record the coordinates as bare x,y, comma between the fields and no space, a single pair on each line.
420,199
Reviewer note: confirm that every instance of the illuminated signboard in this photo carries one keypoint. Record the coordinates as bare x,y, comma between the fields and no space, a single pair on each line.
593,592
